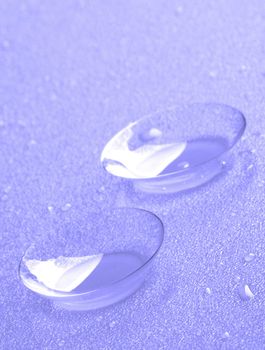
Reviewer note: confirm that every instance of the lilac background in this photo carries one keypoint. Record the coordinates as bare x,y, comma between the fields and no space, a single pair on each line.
72,73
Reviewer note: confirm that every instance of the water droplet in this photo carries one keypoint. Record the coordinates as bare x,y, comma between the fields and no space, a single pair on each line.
61,343
101,189
4,198
243,68
151,134
99,318
250,167
50,208
7,189
98,197
112,324
237,278
226,335
249,257
32,142
213,74
66,207
53,97
5,44
184,165
179,10
245,293
208,290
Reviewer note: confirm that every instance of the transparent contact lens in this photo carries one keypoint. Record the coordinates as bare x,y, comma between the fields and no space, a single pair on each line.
94,262
176,149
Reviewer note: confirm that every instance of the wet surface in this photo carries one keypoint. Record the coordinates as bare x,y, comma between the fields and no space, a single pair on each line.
72,75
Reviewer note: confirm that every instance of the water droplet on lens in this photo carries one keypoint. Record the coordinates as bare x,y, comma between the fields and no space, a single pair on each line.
249,257
66,207
184,165
151,134
245,293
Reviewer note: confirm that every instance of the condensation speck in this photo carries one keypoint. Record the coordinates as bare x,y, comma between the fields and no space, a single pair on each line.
66,207
245,292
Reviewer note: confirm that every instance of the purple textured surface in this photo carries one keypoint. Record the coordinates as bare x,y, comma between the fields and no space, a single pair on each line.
72,73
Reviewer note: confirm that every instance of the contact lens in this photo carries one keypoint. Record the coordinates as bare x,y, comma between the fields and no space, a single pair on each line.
176,149
93,262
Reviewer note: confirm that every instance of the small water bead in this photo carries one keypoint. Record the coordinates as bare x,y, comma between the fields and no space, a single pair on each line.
226,335
32,142
213,74
208,290
50,208
245,292
249,257
66,207
7,189
61,343
179,10
250,167
237,278
112,324
160,151
243,68
5,44
184,165
151,134
4,198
